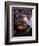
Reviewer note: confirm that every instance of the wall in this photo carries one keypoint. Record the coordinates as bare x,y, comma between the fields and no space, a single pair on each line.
2,10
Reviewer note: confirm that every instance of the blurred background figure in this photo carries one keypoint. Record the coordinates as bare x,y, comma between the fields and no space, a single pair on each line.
28,18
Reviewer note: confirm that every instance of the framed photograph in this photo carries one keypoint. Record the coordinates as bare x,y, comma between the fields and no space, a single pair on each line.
21,22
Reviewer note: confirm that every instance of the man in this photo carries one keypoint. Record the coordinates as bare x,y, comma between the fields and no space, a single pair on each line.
19,26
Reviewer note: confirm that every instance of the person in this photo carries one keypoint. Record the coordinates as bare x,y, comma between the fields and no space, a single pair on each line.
28,18
27,31
28,21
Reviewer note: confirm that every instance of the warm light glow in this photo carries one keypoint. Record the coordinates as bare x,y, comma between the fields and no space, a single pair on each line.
25,18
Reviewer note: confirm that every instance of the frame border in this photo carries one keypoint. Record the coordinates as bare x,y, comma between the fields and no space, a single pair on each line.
7,4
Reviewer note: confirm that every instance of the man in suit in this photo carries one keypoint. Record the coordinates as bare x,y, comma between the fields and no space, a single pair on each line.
23,25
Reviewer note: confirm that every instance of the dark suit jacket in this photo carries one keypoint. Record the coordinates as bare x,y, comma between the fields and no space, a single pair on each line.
24,33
